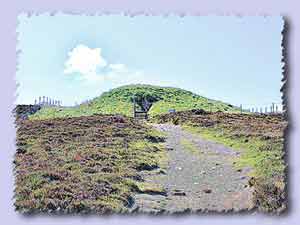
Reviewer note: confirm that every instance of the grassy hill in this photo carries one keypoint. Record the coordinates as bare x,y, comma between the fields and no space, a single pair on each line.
118,101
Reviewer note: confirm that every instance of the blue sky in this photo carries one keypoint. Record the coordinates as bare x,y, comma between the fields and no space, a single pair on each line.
73,57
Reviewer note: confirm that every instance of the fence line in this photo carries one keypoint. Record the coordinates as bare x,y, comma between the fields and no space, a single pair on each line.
47,101
271,108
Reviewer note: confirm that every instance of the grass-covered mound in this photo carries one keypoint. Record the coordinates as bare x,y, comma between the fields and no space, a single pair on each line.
119,101
83,164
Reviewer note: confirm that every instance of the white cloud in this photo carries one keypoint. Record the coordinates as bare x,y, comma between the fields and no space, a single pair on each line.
85,61
94,69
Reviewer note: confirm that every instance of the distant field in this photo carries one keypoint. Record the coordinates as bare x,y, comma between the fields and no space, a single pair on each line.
118,101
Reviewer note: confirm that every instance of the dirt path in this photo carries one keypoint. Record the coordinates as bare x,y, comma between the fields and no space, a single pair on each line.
200,177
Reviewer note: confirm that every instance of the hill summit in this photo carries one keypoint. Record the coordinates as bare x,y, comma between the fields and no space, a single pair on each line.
119,101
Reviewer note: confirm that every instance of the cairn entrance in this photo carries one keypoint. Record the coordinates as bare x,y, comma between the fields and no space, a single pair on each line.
142,102
139,114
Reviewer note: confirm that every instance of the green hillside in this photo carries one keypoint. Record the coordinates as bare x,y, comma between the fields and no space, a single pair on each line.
118,101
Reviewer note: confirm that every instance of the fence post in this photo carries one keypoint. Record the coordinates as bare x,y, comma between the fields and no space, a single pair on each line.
271,109
241,107
134,106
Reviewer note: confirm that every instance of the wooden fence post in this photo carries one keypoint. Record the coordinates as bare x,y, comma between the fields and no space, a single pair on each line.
271,108
134,107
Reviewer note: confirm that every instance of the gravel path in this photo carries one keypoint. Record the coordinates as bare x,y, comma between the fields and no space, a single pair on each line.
200,177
